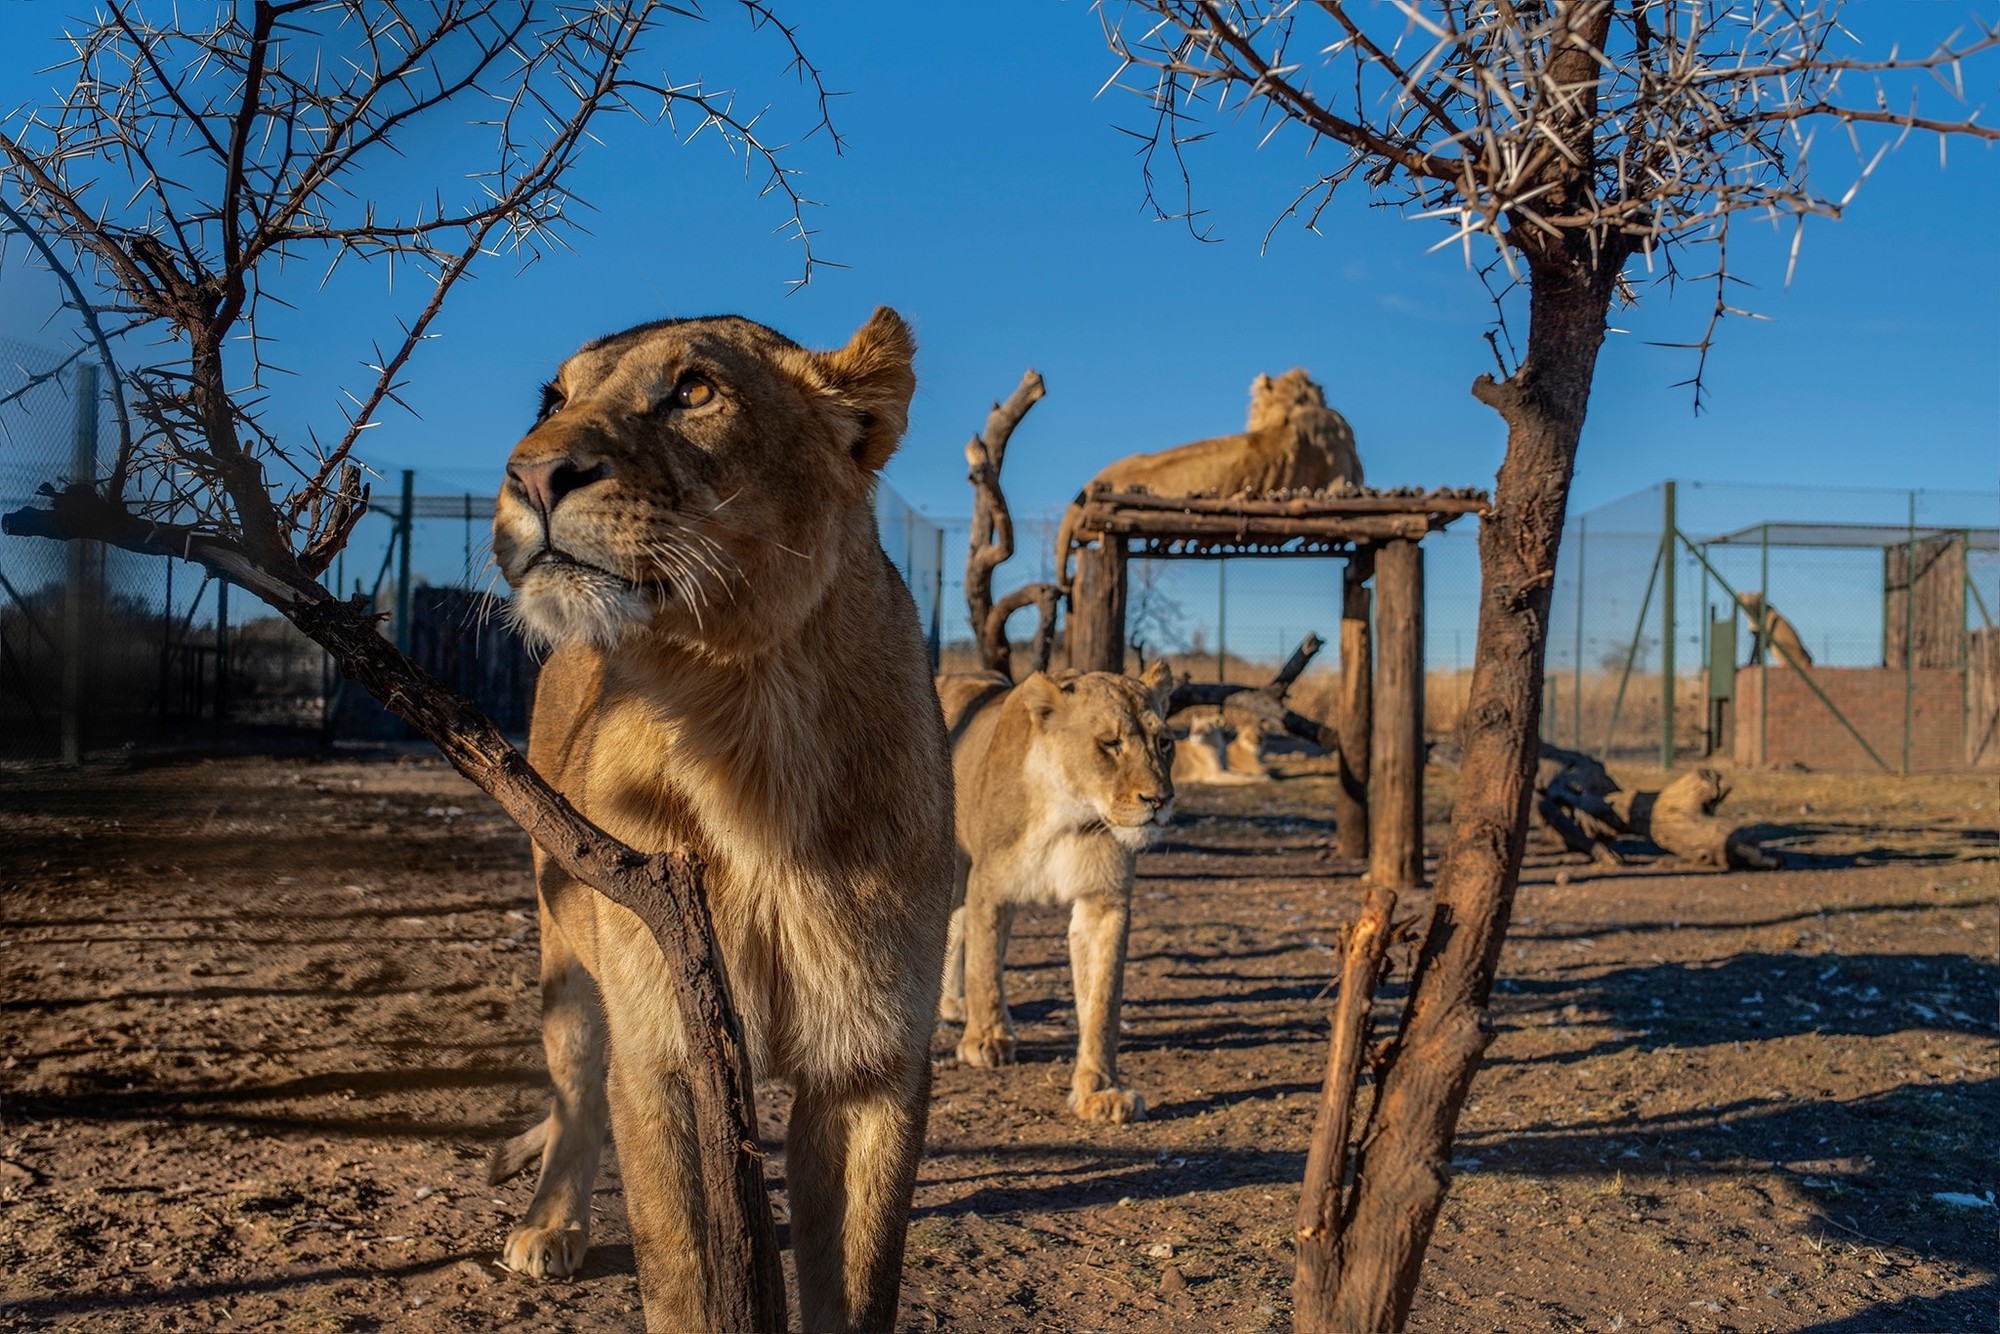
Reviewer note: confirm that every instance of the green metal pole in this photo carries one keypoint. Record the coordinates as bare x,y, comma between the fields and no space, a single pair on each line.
1631,655
1909,630
1221,620
404,526
1763,643
1576,691
77,571
1667,561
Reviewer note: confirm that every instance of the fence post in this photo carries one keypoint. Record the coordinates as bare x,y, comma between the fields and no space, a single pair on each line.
404,528
1576,691
1221,620
1668,554
1909,630
76,592
1763,643
221,652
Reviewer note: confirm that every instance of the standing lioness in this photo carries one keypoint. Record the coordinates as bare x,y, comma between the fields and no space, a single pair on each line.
738,672
1060,783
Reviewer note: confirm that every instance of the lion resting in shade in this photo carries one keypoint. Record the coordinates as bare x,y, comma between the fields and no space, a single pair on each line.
1294,442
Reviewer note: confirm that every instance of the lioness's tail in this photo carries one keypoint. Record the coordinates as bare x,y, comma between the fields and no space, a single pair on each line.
511,1156
1065,535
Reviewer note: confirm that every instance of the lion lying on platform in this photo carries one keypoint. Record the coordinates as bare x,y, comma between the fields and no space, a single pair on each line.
1294,441
1060,783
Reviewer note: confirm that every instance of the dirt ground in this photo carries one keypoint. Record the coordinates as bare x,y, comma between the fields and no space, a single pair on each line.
264,1017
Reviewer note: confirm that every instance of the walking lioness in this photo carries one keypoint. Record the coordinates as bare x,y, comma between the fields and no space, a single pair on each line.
738,672
1060,783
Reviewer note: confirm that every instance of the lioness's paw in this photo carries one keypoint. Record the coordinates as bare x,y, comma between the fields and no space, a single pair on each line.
1115,1106
547,1252
986,1050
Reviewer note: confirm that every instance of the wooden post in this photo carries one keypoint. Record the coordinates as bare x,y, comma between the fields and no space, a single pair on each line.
1357,714
1097,608
1396,761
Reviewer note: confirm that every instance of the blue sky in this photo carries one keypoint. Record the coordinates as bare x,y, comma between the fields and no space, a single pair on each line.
987,193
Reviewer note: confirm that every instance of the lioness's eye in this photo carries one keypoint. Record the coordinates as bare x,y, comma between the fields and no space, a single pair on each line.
552,402
1111,745
692,392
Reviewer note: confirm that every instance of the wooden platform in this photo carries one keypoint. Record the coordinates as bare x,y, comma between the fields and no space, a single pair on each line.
1322,523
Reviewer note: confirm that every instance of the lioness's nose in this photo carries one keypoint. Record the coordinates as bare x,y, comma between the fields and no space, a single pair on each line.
1156,799
546,483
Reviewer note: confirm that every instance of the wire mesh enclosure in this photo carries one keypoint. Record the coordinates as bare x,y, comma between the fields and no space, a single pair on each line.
1813,627
104,648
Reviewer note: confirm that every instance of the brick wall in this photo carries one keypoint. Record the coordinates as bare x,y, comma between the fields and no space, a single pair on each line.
1803,731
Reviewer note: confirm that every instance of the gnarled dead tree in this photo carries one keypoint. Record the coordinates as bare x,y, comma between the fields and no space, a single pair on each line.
195,177
1565,140
992,541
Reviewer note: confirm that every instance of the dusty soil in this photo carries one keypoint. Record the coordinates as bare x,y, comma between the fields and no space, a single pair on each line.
264,1017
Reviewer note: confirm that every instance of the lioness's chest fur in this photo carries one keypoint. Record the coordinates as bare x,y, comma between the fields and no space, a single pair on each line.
808,798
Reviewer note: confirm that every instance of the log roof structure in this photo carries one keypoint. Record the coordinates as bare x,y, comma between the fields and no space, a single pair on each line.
1336,521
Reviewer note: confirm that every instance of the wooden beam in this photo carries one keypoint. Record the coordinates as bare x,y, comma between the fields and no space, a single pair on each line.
1396,761
1356,719
1097,608
1276,528
1435,502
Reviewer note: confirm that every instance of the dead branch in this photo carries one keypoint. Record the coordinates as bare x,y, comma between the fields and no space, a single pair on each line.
992,540
1363,950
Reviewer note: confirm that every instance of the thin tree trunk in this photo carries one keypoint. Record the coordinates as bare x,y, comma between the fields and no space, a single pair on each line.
1403,1168
1367,938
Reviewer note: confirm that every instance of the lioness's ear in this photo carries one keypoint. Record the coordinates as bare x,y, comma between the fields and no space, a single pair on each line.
1042,696
1159,682
873,376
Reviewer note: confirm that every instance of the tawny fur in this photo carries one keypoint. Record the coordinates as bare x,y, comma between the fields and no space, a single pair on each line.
1060,783
1203,758
1779,633
1294,441
739,673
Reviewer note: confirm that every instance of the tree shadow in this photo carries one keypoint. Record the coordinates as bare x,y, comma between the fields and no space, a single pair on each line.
104,1305
1753,997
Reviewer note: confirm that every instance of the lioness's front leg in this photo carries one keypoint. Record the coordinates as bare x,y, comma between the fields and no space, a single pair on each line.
1098,928
850,1168
551,1240
988,1039
652,1126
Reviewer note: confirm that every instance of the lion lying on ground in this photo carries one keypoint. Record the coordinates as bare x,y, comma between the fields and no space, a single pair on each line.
1060,783
739,673
1294,441
1220,752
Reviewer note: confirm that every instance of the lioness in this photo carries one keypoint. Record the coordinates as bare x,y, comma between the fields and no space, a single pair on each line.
1294,440
1060,783
1769,626
738,672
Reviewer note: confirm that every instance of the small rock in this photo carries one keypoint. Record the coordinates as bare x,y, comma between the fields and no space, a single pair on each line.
1161,1250
425,1192
1172,1280
1562,877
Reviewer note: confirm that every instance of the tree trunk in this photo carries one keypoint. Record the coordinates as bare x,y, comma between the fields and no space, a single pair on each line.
1403,1166
1097,608
1367,938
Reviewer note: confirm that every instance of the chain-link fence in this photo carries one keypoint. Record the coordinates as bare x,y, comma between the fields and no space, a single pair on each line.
102,648
1813,627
